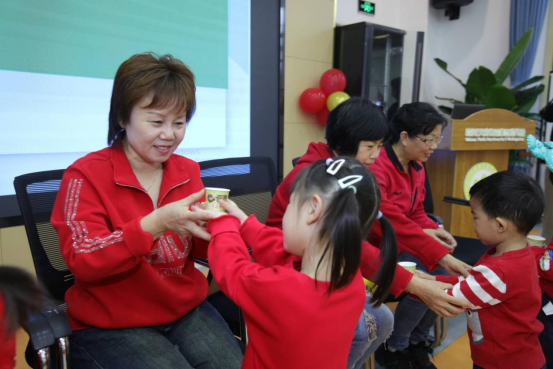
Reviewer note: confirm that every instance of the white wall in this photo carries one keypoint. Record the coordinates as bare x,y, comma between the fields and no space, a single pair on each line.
479,37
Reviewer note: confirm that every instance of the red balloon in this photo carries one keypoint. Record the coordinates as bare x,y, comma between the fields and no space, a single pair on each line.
322,116
332,80
312,100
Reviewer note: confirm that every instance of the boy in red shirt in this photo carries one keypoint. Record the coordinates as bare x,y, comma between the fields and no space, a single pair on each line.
503,285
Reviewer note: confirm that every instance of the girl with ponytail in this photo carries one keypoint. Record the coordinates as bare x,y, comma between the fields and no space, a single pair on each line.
303,315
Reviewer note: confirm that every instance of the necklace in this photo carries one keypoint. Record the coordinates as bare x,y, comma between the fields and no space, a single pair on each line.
153,180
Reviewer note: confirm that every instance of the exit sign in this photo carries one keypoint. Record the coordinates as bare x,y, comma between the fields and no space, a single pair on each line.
367,7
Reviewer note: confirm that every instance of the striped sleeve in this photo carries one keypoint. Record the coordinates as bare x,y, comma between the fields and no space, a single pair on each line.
484,287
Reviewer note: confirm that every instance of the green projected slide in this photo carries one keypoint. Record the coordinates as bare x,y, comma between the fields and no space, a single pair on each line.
90,38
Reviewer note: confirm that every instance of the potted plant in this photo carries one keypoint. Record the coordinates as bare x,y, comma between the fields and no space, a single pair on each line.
486,88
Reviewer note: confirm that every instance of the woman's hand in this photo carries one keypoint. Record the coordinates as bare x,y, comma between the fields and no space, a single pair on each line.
423,275
454,266
230,207
443,237
178,218
433,294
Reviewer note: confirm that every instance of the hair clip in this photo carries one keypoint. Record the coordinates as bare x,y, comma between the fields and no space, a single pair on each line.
349,181
335,166
379,215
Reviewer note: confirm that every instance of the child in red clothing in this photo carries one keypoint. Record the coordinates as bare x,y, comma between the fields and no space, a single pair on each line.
19,296
503,285
303,317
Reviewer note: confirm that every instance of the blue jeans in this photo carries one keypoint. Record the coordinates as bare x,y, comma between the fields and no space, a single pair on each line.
373,327
200,339
412,319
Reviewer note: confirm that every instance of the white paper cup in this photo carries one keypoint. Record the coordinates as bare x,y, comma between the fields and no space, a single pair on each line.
535,240
409,265
212,197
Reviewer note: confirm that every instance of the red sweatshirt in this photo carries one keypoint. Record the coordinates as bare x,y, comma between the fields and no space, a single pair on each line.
122,277
292,322
402,203
7,343
503,328
369,253
545,269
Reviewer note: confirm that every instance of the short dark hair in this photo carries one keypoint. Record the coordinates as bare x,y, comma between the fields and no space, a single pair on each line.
348,217
416,118
356,119
514,196
168,79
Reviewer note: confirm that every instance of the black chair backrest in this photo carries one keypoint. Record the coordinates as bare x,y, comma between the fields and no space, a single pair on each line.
295,161
252,182
428,203
36,194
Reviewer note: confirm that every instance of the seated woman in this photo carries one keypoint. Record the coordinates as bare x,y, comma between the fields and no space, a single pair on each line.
127,235
416,132
357,128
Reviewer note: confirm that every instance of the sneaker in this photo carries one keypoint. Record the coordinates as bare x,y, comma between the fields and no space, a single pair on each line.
419,355
393,360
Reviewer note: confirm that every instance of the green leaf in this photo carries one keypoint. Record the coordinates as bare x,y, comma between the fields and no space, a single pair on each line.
512,59
479,83
525,99
442,64
453,101
529,82
445,109
471,99
500,97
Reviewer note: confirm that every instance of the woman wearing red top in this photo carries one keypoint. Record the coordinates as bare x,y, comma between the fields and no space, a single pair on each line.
416,132
128,236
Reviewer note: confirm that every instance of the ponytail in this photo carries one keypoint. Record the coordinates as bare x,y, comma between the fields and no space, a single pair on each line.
341,228
388,261
22,296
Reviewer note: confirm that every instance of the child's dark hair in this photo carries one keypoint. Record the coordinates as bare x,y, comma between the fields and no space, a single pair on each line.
21,295
348,217
514,196
356,119
415,119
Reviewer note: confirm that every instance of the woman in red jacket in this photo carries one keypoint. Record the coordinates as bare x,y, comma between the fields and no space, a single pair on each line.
357,128
128,236
416,132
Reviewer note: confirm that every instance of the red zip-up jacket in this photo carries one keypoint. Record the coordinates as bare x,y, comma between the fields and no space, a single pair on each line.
369,254
503,328
402,204
292,320
544,261
122,277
